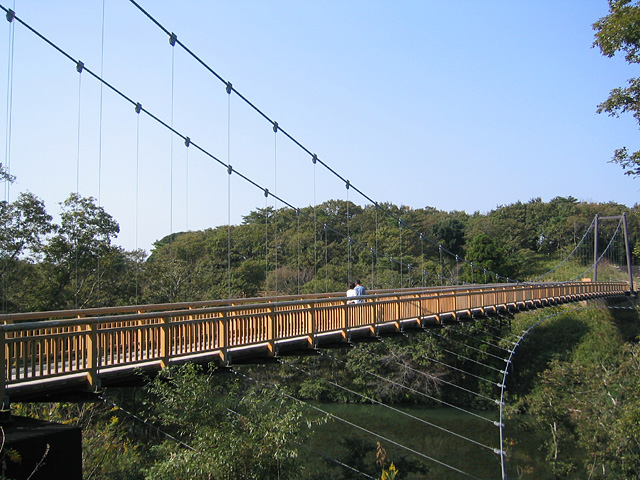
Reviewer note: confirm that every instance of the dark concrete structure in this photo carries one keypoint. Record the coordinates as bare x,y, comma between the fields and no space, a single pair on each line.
52,449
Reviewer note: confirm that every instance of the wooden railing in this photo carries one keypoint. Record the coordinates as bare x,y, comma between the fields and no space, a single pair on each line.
43,352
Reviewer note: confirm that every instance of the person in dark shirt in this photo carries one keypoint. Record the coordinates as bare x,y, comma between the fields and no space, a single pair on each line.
360,290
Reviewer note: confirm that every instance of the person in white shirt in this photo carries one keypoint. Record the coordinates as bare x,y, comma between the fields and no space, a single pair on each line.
351,292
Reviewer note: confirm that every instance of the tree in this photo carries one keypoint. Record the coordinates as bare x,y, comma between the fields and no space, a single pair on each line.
25,225
228,430
74,254
620,31
487,253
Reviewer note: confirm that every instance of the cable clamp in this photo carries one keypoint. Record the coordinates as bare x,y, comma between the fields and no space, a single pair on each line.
229,87
497,451
326,227
266,192
275,127
79,66
138,107
172,39
498,424
10,15
229,169
187,141
347,184
314,159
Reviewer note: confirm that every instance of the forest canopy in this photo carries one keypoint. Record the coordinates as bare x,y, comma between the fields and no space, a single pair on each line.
76,263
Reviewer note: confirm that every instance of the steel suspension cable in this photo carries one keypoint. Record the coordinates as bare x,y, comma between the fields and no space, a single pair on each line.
9,104
266,238
79,68
169,127
566,259
298,236
377,276
480,340
362,429
275,202
229,172
146,423
260,112
315,230
501,451
349,277
186,186
400,227
412,390
468,346
137,216
422,258
330,459
606,250
389,407
451,384
456,354
100,129
172,42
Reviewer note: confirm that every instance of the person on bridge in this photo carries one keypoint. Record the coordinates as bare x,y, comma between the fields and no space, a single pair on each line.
351,292
360,291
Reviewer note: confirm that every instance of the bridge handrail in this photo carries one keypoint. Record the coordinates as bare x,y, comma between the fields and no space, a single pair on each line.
84,349
197,305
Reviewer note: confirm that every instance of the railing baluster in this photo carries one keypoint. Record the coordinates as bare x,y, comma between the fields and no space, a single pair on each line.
92,352
164,341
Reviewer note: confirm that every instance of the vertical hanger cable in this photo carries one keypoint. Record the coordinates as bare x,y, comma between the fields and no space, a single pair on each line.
229,172
79,68
137,217
275,203
99,262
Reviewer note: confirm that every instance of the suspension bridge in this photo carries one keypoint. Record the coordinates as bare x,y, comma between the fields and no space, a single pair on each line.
43,354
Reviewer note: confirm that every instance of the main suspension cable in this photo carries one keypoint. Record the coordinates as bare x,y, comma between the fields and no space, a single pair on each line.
271,121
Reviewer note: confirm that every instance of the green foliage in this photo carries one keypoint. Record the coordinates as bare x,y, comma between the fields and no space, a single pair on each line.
109,449
486,253
620,32
228,430
583,396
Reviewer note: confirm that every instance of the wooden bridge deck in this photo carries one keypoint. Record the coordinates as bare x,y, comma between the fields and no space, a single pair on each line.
43,352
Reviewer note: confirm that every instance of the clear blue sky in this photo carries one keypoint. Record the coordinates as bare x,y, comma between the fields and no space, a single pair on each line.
463,105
